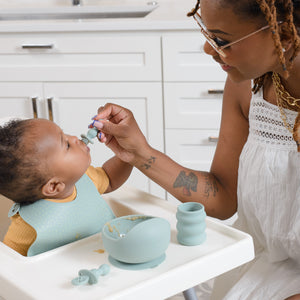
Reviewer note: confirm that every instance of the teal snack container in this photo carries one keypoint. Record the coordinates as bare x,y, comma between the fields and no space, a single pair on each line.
136,239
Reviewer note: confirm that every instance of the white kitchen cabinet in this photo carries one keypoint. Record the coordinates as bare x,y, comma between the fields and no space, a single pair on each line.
193,148
19,99
184,59
193,89
193,105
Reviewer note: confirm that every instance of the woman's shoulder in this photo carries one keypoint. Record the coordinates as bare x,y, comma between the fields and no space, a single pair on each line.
239,94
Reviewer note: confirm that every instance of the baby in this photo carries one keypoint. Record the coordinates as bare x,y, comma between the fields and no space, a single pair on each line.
47,174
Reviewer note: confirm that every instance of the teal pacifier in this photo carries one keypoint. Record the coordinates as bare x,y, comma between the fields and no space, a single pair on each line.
91,276
91,134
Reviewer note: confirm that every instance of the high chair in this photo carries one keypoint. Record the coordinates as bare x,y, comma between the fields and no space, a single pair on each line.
49,275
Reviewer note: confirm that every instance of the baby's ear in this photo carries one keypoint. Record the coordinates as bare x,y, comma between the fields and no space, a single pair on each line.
53,187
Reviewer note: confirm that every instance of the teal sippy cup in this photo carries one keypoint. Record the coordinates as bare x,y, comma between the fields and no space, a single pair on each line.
191,224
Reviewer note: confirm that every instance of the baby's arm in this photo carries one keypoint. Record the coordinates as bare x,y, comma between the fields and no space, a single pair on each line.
117,172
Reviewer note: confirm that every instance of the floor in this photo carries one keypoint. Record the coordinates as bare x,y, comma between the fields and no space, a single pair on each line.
202,291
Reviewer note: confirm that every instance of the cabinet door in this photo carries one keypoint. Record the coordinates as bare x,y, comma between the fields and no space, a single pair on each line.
193,105
185,60
192,148
18,99
74,104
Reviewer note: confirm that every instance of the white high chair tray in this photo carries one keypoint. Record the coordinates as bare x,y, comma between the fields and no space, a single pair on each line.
49,275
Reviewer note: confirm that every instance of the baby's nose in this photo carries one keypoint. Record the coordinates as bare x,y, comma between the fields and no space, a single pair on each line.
73,139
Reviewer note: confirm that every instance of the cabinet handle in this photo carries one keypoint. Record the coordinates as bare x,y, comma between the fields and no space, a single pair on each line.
215,91
50,108
213,139
37,46
34,106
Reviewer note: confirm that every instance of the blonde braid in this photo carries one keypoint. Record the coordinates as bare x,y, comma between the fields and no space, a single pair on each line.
288,4
259,82
270,13
268,8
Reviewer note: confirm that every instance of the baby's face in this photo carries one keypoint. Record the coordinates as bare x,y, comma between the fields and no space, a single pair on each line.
66,156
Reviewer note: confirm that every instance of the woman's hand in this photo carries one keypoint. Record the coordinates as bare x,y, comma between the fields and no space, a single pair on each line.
120,132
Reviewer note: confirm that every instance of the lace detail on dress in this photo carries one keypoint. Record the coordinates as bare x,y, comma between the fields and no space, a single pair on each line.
266,125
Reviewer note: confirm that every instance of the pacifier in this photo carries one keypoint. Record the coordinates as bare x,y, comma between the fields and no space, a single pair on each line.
91,134
91,276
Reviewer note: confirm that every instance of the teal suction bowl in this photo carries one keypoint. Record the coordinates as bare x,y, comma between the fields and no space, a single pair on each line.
136,239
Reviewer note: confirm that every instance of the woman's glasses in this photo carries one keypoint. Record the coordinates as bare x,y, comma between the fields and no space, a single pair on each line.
218,44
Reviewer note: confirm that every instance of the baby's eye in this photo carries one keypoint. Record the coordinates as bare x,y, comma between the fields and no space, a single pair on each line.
220,42
68,145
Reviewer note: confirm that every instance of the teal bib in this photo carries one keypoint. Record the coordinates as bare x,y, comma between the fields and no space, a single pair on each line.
57,224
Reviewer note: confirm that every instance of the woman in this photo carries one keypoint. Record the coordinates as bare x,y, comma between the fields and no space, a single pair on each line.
256,166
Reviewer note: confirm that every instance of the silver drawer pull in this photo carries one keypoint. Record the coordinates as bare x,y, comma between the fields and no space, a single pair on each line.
50,108
215,91
37,46
34,106
213,139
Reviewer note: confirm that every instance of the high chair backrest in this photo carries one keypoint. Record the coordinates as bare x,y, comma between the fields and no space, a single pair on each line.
5,205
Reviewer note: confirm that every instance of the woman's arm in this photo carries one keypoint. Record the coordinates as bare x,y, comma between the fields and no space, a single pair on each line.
215,189
294,297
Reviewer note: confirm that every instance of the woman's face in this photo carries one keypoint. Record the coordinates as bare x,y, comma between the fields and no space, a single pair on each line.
247,59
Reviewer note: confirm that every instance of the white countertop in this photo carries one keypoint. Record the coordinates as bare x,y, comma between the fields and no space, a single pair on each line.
169,15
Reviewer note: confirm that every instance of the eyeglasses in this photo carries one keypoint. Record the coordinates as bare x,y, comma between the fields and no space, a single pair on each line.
218,44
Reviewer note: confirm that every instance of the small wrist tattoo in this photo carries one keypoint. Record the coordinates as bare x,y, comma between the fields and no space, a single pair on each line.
149,163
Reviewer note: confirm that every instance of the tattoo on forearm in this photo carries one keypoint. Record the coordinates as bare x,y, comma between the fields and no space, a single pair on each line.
187,182
210,186
149,163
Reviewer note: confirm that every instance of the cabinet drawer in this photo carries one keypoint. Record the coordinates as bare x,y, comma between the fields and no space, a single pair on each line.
185,60
79,57
192,148
193,105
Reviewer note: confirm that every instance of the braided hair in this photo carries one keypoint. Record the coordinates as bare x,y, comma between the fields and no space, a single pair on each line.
273,11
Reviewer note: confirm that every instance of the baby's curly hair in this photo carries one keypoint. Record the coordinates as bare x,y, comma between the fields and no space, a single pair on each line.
22,173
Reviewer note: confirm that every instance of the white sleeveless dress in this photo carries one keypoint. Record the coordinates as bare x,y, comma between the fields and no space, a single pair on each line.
268,209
